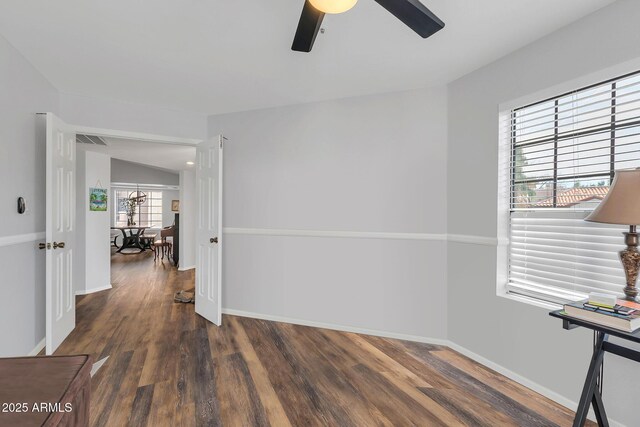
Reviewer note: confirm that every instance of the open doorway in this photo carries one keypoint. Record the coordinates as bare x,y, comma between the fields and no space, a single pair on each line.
129,208
78,254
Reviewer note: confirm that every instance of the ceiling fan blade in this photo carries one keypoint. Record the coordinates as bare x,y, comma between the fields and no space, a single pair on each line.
308,28
415,15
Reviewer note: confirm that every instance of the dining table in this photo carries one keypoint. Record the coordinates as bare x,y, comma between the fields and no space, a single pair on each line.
131,237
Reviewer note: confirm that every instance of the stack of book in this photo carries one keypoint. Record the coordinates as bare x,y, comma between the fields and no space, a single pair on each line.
623,315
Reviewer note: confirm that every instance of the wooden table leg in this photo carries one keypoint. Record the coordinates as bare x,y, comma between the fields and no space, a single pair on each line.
124,241
136,237
131,241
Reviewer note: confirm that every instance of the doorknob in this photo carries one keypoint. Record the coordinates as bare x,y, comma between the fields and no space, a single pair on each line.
58,245
44,245
213,240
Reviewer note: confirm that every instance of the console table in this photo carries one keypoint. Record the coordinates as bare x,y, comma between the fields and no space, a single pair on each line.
591,392
45,391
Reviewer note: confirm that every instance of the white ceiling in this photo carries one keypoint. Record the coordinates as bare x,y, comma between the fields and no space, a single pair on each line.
164,156
214,56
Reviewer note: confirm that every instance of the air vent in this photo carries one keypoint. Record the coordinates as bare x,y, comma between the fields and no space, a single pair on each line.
90,139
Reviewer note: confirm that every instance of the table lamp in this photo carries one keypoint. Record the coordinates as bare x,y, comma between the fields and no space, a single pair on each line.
622,206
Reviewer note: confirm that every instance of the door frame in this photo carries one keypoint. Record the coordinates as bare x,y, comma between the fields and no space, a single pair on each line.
134,136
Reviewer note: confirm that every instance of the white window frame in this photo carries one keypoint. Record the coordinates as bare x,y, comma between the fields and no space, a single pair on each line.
504,182
148,191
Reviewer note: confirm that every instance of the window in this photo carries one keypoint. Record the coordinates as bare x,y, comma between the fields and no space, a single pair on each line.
148,214
564,153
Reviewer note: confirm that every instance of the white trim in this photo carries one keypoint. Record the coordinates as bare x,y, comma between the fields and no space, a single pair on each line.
136,136
342,328
504,293
544,391
21,238
573,84
191,267
473,240
219,226
440,237
550,394
515,377
38,348
92,291
340,234
150,187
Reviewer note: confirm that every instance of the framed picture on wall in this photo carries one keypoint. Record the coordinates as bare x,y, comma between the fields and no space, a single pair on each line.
98,199
175,205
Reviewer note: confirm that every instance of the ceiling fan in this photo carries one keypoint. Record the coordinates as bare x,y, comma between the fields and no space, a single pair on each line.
413,13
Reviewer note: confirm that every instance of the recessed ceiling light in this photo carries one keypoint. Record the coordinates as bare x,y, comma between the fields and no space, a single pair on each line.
190,163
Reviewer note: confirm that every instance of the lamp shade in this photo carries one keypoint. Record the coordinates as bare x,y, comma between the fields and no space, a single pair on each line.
333,6
621,205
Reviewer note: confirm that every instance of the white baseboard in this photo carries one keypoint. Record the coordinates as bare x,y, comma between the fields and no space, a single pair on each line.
335,327
514,376
38,348
91,291
191,267
550,394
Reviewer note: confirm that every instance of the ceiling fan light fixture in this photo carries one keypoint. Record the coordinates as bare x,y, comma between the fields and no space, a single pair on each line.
412,13
333,6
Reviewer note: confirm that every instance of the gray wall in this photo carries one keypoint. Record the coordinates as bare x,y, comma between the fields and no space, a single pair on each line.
92,265
109,114
519,336
129,172
22,159
168,216
367,164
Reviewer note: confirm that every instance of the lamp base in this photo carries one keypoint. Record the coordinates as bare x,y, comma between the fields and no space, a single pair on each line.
630,258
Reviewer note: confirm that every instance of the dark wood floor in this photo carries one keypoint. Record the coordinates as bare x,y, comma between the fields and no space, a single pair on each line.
169,367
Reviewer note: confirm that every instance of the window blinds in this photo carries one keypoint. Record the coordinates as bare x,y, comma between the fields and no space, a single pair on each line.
557,256
564,153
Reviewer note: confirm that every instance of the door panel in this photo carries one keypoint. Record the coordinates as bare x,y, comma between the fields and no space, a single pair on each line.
209,229
60,231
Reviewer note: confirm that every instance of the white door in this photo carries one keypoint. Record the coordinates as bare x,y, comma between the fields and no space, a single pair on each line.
209,229
60,232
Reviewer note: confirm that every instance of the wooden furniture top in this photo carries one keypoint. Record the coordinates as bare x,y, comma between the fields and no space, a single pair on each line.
41,380
131,227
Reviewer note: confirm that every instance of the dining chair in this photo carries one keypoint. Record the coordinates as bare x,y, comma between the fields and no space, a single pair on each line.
162,246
